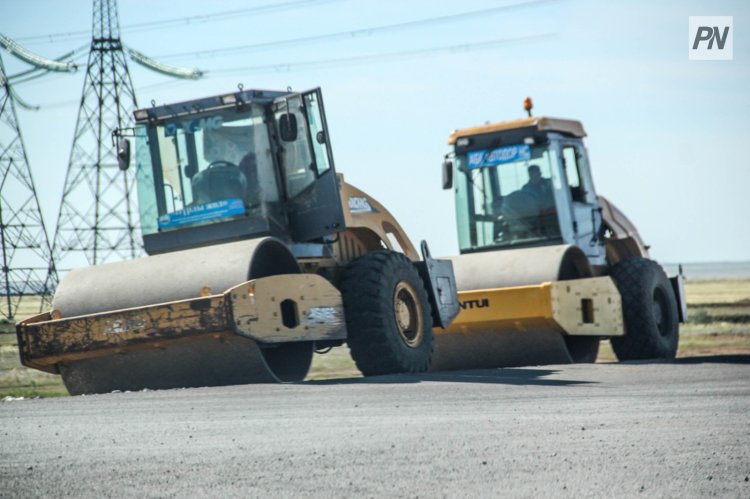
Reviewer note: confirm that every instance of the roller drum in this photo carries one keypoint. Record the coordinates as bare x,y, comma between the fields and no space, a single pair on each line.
219,359
170,276
520,267
532,343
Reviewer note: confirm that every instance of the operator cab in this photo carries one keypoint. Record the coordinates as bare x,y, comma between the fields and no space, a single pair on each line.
242,165
523,183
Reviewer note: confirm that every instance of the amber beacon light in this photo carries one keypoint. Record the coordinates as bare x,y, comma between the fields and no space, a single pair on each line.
528,105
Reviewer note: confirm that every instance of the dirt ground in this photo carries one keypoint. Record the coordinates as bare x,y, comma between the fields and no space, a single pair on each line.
719,324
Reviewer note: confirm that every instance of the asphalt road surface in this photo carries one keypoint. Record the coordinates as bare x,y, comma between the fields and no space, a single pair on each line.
674,429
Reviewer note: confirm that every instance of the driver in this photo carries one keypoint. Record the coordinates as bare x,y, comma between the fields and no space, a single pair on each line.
539,188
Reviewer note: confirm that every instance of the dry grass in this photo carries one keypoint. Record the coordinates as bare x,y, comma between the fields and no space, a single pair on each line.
335,364
718,320
25,306
731,292
19,381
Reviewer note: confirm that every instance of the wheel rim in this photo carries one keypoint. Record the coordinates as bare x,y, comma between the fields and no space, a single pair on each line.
661,312
409,319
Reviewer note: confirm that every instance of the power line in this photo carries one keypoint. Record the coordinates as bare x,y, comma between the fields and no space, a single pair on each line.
35,59
343,61
232,14
29,107
307,65
37,69
154,65
72,57
34,78
138,91
190,20
347,35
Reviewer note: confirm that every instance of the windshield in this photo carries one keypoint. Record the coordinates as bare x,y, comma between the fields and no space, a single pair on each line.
204,168
506,196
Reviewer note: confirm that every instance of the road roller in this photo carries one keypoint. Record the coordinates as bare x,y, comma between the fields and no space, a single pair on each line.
547,268
259,255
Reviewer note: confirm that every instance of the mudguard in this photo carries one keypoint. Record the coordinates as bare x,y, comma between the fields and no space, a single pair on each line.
440,282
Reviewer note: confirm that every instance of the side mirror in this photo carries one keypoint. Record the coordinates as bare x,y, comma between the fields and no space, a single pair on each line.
123,154
447,173
288,127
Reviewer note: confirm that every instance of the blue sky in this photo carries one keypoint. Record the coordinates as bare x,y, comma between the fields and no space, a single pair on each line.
668,137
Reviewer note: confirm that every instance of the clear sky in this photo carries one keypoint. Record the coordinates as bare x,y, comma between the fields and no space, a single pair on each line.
668,137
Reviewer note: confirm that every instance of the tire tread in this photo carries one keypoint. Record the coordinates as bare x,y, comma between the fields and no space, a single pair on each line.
636,280
375,347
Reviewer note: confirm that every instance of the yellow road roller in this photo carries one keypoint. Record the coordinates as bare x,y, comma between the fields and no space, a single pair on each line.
260,254
547,267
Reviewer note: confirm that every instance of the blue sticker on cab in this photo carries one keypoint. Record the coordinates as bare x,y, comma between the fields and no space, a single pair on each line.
202,212
480,159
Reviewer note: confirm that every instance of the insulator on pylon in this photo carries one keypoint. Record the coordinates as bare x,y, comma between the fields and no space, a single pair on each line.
34,59
146,61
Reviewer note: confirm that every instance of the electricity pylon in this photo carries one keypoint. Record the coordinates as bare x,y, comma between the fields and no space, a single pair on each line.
96,222
27,266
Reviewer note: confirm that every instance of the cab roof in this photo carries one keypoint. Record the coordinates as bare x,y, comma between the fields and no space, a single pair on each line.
217,102
541,123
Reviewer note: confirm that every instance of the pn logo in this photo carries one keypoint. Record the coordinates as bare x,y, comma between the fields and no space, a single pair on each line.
710,38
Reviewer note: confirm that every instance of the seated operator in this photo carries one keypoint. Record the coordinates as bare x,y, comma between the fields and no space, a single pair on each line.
539,188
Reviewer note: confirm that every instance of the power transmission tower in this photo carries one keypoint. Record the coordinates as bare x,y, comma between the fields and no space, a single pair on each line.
97,223
27,266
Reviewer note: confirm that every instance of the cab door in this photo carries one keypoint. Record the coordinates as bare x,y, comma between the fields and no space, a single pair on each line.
311,186
584,204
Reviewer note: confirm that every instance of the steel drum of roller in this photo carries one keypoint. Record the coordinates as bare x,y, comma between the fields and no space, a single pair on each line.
221,359
529,343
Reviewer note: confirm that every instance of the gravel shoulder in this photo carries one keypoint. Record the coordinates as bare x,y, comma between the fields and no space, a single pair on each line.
661,429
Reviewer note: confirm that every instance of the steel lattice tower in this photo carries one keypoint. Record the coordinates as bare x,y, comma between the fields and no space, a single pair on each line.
96,223
27,266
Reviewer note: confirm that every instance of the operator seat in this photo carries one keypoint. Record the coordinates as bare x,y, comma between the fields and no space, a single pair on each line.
222,180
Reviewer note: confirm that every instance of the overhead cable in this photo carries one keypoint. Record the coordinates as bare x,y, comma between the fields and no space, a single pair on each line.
34,59
344,61
189,20
148,62
348,35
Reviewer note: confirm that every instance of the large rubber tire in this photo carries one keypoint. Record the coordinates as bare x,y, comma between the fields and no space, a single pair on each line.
649,308
388,315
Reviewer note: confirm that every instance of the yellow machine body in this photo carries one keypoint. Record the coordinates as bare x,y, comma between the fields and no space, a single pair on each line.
586,307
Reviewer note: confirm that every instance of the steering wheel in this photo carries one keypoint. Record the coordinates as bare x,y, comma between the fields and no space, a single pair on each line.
221,162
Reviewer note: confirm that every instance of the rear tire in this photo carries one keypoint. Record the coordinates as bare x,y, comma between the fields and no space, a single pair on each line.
650,311
388,315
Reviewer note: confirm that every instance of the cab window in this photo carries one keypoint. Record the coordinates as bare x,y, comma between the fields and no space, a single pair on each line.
506,196
204,168
296,156
573,173
317,133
